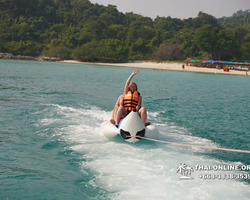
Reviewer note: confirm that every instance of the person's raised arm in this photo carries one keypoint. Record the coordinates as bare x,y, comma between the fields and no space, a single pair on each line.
128,81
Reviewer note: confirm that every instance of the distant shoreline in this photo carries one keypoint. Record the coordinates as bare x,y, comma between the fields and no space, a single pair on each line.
10,56
171,66
164,66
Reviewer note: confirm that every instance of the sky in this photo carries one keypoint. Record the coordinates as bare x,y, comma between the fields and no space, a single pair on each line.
182,9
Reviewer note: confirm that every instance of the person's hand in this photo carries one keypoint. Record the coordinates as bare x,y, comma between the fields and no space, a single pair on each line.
135,72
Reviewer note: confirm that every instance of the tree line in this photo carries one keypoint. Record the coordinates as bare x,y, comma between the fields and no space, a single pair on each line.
81,30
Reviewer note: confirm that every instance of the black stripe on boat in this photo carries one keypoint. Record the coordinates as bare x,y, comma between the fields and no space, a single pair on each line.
140,133
124,134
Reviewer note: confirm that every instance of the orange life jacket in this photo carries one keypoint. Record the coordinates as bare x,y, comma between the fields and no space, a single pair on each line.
131,100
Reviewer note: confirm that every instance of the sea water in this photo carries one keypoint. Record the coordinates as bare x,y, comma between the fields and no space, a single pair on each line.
51,146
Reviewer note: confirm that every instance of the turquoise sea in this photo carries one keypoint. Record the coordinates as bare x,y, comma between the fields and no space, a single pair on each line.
51,147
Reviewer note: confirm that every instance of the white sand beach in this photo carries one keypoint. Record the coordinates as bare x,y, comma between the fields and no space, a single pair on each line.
165,66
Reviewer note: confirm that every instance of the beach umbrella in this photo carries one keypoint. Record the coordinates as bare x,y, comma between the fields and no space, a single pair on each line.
236,63
248,64
189,59
194,61
241,63
227,63
203,59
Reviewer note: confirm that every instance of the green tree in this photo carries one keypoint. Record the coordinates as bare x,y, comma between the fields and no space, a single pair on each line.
115,50
95,29
108,50
206,39
205,19
228,44
245,48
116,31
186,41
26,48
139,50
60,52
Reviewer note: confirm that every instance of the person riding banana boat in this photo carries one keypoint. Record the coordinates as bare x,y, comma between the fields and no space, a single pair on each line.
128,101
